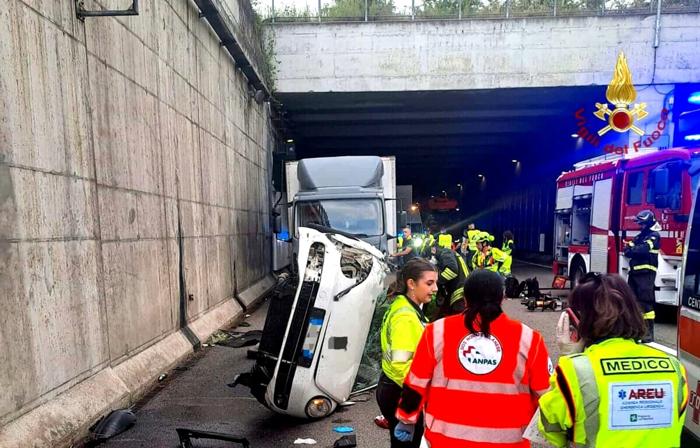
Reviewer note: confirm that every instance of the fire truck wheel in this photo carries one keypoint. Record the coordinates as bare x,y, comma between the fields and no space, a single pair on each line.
578,270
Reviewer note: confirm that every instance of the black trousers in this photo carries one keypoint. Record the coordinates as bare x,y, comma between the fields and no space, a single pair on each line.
642,284
388,394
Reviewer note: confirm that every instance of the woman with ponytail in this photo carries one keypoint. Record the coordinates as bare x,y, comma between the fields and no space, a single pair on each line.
476,376
402,328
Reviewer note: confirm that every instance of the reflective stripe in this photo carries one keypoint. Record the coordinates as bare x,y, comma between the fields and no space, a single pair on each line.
482,387
649,315
448,274
457,295
644,266
473,433
550,427
682,386
650,243
438,344
589,394
413,380
654,251
401,356
523,351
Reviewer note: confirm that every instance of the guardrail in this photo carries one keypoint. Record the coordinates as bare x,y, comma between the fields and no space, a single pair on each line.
279,11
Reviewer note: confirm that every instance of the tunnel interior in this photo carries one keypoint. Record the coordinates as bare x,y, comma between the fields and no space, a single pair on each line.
498,152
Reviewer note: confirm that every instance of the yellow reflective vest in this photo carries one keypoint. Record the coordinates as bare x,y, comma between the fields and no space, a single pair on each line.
617,393
445,240
472,237
402,328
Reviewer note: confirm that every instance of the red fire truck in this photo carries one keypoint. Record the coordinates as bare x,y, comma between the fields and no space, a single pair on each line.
596,204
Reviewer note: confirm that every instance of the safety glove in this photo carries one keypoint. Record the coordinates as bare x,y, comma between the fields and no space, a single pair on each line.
567,336
404,431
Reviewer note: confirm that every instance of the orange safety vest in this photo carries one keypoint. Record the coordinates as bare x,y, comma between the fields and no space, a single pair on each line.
477,391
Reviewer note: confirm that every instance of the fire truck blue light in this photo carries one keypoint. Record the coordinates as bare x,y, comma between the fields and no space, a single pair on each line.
694,98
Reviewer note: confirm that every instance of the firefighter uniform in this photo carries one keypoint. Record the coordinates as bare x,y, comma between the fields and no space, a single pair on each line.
402,328
452,274
445,240
617,393
476,391
643,254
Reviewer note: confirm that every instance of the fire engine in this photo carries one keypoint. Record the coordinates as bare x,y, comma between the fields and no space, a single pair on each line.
596,204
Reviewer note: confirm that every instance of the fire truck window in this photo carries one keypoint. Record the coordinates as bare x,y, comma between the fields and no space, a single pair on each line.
672,199
635,183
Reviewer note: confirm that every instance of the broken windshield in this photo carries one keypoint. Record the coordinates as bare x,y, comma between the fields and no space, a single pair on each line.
362,217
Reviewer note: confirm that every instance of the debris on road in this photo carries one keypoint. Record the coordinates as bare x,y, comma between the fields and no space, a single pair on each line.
343,429
305,442
348,441
114,423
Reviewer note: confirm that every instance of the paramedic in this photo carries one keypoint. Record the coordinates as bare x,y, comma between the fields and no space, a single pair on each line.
617,392
402,327
477,375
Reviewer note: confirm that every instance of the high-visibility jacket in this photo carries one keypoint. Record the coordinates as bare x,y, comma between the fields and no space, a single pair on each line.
476,391
643,251
399,242
472,236
493,260
445,240
402,328
452,273
507,247
617,393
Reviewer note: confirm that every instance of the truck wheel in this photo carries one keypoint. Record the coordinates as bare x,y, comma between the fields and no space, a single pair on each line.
578,270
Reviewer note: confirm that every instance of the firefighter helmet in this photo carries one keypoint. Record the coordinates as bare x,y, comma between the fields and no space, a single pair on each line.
645,218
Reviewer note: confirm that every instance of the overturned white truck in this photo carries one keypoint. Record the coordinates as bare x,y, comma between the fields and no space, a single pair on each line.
320,343
322,346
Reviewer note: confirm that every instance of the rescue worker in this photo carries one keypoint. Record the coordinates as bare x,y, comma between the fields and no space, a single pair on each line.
452,272
407,251
507,249
490,258
402,328
643,254
476,375
469,244
444,239
617,392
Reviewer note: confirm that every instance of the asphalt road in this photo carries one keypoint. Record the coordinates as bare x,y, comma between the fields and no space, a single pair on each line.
195,395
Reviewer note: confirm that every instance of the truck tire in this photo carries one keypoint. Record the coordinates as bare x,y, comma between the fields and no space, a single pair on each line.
578,270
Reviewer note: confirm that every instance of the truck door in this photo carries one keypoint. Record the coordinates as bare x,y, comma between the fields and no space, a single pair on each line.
689,320
600,225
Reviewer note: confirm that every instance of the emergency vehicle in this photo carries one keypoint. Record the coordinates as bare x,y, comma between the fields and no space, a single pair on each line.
596,204
689,320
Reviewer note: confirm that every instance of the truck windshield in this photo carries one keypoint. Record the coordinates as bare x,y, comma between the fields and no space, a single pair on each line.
357,216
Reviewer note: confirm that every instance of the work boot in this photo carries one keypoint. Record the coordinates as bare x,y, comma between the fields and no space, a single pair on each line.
649,336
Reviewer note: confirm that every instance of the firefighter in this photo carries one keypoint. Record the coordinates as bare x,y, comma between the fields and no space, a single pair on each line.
469,244
643,254
476,375
452,272
402,328
617,392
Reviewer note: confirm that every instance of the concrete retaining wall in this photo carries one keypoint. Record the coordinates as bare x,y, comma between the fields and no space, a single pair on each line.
482,54
130,157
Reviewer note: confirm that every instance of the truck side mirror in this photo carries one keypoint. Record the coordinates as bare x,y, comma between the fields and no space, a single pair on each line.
403,219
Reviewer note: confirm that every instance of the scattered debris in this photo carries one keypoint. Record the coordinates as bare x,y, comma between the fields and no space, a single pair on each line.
244,324
186,434
235,339
247,316
381,421
114,423
305,442
343,429
162,376
342,420
348,441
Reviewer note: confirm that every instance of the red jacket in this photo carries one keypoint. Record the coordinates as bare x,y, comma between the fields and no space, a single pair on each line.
476,391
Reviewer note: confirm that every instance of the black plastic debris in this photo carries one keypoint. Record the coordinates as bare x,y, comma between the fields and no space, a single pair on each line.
116,422
347,441
243,340
185,436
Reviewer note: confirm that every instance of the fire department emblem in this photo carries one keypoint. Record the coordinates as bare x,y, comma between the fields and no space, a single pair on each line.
621,93
480,354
